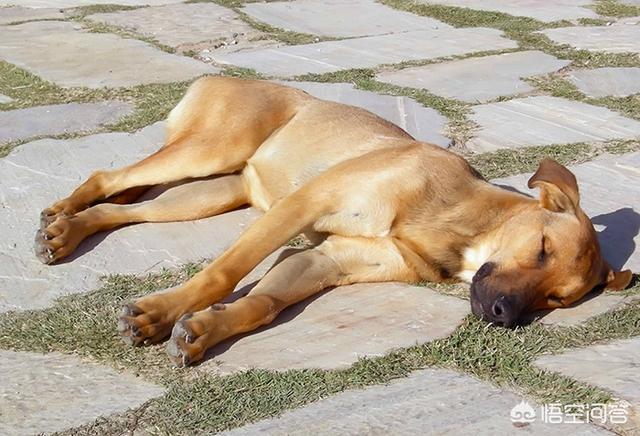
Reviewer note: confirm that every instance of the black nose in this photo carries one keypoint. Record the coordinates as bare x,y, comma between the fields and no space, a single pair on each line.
502,312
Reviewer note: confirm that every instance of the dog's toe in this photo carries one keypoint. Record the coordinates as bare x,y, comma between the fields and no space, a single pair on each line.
43,249
182,347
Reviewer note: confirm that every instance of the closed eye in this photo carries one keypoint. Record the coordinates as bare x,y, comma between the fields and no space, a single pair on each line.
542,255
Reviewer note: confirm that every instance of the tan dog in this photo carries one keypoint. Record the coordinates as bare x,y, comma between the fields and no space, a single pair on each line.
378,205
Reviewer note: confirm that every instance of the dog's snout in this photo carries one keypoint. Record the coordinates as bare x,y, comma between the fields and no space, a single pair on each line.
485,270
502,312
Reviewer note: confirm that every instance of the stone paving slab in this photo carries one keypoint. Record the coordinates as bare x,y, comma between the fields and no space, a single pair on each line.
477,79
339,18
431,401
36,174
75,3
543,120
540,10
602,82
610,196
612,366
367,52
345,323
424,124
616,38
57,119
52,392
89,59
182,26
18,13
5,99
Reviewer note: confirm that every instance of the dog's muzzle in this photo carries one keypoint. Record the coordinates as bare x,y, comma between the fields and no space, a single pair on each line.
490,304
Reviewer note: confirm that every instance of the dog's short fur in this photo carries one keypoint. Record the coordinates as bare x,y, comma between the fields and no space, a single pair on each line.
378,206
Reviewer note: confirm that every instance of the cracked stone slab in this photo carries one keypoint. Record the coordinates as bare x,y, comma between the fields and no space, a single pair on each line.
543,120
19,13
540,10
621,37
57,119
38,173
612,366
52,392
184,26
431,401
424,124
602,82
75,3
94,60
610,196
346,323
369,51
5,99
477,79
339,18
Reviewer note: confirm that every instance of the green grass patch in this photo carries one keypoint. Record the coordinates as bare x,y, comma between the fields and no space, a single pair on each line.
83,11
557,86
613,8
507,162
197,402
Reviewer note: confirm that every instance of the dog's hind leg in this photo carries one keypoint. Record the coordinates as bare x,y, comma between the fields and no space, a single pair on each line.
191,157
189,201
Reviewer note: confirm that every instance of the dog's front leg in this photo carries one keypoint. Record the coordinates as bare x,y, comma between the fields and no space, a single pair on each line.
337,261
151,318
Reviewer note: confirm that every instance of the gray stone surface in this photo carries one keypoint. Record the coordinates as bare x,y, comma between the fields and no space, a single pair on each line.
339,18
368,51
38,173
540,10
616,38
612,366
477,79
91,59
543,120
5,99
610,195
631,2
424,124
183,26
587,308
428,402
47,393
57,119
602,82
18,13
345,323
75,3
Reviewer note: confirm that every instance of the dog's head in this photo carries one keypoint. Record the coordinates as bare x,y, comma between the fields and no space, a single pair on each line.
546,256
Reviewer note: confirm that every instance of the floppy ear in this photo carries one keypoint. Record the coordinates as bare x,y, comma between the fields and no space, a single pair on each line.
614,280
558,187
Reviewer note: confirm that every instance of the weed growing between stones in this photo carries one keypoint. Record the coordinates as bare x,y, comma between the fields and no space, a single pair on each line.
196,401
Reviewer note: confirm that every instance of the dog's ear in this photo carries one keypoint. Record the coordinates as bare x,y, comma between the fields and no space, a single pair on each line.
615,280
558,187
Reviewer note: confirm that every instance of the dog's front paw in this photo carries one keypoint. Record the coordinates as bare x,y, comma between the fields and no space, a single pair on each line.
145,322
58,239
195,333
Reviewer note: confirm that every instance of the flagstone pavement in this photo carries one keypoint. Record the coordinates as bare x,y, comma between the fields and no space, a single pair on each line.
50,148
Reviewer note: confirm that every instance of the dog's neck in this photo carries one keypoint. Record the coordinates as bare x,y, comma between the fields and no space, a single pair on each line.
455,241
